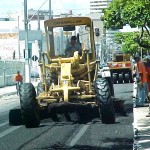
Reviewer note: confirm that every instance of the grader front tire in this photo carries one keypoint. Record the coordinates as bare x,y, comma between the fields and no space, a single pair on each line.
104,101
29,106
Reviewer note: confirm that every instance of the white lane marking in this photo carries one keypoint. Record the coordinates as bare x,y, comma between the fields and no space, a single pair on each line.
4,109
135,119
4,113
9,102
6,132
4,123
78,135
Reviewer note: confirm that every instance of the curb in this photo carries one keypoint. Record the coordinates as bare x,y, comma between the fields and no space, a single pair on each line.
11,93
8,94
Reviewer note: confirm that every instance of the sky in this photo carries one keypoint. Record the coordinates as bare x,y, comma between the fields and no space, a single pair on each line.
77,6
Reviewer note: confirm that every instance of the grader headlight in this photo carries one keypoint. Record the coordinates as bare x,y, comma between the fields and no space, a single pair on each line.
65,82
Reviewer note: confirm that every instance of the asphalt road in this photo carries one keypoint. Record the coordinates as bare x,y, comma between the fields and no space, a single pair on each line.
71,130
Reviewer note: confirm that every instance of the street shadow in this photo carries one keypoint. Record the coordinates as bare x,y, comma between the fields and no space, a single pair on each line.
129,108
81,114
72,113
108,144
131,91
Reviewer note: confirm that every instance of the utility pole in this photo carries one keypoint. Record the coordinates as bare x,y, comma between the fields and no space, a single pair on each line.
27,67
38,21
18,40
50,10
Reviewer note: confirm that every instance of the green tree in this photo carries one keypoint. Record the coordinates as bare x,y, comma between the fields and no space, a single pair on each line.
136,13
129,41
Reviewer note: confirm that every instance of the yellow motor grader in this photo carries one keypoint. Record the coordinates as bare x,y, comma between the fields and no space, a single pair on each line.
74,79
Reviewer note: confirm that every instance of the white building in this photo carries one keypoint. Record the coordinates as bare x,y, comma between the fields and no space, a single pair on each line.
96,6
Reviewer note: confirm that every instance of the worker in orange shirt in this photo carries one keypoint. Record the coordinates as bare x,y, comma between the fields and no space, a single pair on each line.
18,77
147,64
143,81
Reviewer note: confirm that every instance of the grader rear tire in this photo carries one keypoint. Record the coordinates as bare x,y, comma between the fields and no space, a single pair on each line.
104,101
29,106
15,117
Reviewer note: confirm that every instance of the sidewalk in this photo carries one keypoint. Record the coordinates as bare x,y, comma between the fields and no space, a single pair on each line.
10,90
7,90
141,125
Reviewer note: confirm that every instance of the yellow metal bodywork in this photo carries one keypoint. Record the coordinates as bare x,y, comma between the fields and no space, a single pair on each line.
60,22
73,76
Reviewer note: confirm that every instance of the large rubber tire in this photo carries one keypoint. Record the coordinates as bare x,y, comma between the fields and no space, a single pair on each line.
15,117
131,77
120,78
29,105
114,78
126,78
111,86
104,101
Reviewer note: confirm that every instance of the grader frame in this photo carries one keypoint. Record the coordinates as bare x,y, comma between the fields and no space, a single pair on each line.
70,80
68,67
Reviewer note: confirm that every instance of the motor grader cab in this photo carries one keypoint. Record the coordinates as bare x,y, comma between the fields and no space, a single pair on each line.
72,79
121,68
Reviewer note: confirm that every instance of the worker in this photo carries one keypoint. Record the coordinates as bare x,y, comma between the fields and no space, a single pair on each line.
72,47
147,65
142,82
18,77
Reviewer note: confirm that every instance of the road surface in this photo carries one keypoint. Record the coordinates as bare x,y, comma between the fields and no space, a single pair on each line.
72,130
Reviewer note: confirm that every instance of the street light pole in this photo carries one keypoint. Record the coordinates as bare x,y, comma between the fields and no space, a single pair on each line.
50,10
18,41
27,67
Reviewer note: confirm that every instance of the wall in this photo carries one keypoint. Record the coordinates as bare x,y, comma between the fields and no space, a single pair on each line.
8,69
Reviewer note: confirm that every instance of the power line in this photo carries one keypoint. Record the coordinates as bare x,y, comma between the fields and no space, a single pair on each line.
37,11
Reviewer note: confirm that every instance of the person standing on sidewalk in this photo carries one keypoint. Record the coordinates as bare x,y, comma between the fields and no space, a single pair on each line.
142,81
147,64
148,73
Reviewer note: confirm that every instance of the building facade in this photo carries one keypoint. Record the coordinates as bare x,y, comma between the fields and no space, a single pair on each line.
96,6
